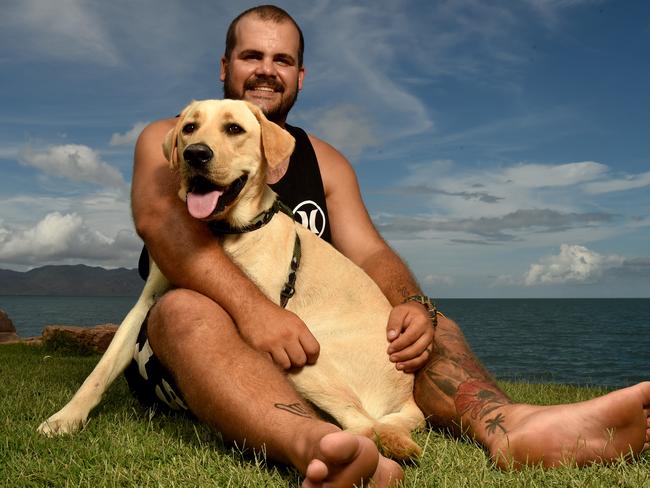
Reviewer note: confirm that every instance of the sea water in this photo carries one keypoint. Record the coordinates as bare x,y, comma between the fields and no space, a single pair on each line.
574,341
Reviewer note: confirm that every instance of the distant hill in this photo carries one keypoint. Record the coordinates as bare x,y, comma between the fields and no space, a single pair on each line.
74,280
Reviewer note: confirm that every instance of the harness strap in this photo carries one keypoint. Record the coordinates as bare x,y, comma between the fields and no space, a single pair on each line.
289,288
223,227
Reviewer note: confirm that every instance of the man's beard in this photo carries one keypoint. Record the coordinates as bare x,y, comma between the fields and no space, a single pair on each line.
277,113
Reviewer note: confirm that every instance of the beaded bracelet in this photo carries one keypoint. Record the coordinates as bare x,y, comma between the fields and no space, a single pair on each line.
428,304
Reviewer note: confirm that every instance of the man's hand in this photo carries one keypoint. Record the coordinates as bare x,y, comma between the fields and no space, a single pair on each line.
283,336
410,334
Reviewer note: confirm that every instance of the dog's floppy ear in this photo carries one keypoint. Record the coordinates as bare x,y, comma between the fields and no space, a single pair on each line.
169,147
277,143
171,140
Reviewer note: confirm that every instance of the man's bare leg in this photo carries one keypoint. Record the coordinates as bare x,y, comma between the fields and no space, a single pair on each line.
455,391
240,393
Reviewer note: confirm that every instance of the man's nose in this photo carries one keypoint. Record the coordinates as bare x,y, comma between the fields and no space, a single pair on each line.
266,67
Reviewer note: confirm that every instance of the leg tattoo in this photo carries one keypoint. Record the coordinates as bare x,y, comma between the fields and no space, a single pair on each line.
295,409
455,389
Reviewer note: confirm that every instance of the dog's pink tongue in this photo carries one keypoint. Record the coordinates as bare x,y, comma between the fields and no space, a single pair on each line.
201,206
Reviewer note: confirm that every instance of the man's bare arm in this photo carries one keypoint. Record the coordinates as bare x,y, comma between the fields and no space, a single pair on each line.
353,234
188,255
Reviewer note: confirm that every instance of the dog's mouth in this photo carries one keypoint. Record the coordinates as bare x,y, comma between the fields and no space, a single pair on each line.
206,199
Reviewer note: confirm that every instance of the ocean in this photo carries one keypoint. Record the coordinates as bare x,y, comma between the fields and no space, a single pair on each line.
603,342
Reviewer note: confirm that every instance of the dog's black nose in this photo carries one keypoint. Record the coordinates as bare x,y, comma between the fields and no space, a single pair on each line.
197,155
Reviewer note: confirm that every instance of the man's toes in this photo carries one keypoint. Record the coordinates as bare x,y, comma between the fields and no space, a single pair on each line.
343,447
316,471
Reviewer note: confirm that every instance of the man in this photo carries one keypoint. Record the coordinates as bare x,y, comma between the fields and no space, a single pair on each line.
215,338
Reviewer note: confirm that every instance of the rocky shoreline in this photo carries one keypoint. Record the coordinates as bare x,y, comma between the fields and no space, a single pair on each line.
86,339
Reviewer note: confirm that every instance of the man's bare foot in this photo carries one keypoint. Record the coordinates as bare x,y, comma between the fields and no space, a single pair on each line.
600,430
345,460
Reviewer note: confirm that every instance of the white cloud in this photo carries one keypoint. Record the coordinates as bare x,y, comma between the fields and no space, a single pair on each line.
495,192
103,217
574,264
630,183
51,236
9,151
60,238
356,67
510,227
346,128
432,279
522,206
129,137
552,11
61,29
546,175
75,162
506,280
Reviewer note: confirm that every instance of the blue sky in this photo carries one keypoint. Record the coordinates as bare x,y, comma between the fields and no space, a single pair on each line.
502,147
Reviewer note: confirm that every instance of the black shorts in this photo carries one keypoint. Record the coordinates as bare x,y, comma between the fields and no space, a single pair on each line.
149,381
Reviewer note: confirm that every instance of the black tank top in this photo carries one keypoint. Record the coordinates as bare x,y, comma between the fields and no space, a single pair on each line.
301,189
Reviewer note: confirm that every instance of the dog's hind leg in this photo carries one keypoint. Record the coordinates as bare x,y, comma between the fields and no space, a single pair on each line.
116,358
409,417
391,432
323,386
394,431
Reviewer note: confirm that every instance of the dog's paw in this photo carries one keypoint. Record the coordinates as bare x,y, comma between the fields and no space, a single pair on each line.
61,424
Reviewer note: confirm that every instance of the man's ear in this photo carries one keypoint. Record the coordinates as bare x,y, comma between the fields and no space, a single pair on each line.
170,149
223,68
301,77
277,143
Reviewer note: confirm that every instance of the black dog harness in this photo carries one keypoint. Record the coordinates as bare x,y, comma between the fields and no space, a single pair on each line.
223,227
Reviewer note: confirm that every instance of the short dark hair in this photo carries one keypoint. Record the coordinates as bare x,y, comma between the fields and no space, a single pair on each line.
263,12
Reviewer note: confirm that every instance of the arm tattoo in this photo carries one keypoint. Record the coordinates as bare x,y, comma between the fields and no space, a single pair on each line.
295,409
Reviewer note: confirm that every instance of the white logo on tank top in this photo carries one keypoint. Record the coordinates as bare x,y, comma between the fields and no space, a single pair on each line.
311,216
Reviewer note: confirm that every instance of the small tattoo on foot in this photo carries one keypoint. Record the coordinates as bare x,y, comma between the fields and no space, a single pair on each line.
496,423
294,408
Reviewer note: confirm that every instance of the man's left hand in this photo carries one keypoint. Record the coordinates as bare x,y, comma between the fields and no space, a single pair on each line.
410,334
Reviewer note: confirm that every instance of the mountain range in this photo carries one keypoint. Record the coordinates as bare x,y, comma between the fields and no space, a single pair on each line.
71,280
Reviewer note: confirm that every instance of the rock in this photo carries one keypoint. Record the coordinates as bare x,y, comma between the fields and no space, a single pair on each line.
80,339
7,329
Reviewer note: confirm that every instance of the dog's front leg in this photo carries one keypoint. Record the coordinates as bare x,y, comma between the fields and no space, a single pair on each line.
116,358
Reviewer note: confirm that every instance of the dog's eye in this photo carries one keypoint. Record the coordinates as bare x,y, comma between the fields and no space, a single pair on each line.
189,128
234,129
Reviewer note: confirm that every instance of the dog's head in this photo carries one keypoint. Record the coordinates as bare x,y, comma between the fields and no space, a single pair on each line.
221,148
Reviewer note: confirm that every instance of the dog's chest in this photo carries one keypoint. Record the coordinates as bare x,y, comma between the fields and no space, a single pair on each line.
264,254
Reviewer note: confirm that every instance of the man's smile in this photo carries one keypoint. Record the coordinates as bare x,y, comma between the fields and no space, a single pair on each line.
262,92
263,85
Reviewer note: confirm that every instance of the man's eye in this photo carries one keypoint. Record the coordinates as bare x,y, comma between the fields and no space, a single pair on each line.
189,128
234,129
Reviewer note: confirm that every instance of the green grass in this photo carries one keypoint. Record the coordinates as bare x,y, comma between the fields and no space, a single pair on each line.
125,444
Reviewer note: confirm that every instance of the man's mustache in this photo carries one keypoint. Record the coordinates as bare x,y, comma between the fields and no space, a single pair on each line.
264,81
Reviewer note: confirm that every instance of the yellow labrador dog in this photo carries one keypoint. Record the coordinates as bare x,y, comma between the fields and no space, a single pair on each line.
222,149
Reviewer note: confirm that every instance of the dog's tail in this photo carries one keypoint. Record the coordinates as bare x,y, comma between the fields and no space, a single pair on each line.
395,441
393,431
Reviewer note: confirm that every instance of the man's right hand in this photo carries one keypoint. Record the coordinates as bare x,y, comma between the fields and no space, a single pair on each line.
283,336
